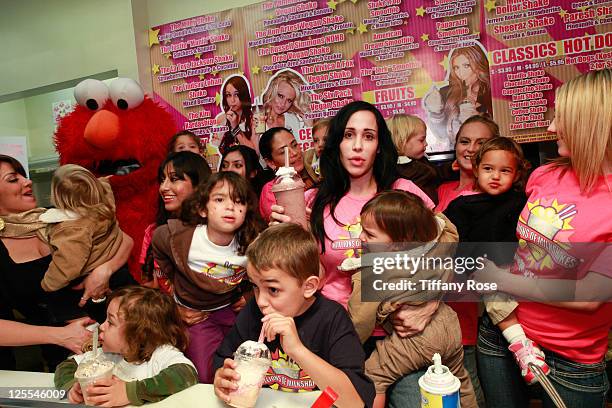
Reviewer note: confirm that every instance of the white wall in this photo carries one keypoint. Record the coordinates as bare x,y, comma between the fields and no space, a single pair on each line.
45,43
61,40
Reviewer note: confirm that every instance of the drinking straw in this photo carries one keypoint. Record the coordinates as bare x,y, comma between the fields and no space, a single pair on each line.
286,156
261,335
95,341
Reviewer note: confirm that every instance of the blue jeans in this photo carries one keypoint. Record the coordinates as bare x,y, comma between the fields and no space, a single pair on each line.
470,364
579,385
405,393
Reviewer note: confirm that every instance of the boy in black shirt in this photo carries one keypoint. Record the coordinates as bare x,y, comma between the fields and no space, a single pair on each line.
311,338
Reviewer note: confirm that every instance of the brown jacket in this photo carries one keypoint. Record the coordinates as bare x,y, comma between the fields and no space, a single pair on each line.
395,357
78,247
365,315
171,243
79,244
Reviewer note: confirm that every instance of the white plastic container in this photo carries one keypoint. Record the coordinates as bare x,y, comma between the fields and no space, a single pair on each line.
439,387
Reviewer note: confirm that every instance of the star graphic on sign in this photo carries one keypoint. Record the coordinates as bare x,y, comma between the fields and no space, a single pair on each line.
153,39
234,52
218,98
420,11
563,13
583,8
202,77
168,55
332,4
354,1
490,5
197,55
155,69
425,37
255,70
362,28
444,62
351,30
214,73
166,42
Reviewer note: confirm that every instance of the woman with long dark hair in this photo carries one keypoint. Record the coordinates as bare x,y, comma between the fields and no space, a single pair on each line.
360,154
244,161
179,175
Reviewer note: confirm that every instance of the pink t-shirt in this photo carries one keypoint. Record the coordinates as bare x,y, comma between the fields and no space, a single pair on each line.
447,192
467,312
557,212
343,240
266,200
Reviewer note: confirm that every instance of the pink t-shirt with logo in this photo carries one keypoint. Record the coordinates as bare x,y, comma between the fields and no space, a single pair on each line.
342,241
557,212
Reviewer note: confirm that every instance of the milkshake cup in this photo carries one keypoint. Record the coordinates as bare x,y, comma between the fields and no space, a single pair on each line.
253,360
260,118
439,387
93,370
288,188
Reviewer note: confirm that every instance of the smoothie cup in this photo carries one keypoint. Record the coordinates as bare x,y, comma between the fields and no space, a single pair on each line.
288,188
253,361
93,370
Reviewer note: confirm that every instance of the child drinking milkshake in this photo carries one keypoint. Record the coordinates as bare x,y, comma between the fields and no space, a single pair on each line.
143,336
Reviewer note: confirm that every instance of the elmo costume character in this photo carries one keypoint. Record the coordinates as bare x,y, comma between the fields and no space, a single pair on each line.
116,130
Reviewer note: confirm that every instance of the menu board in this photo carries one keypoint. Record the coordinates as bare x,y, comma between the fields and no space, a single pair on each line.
534,47
231,75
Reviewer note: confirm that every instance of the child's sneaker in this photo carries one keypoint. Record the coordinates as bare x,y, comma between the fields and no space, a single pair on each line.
526,352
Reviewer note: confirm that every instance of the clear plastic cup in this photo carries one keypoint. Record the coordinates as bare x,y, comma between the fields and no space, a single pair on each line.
90,371
260,120
253,360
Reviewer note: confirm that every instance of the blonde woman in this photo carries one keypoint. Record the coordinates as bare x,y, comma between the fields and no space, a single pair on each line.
284,102
568,203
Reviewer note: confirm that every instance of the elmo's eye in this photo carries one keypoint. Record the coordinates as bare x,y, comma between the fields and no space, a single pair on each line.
126,93
91,94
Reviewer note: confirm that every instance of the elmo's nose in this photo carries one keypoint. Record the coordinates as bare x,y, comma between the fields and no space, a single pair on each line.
102,129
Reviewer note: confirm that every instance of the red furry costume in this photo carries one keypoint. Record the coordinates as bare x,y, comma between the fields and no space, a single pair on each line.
124,133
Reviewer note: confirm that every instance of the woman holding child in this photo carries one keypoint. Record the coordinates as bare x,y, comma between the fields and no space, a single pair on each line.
24,261
568,202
